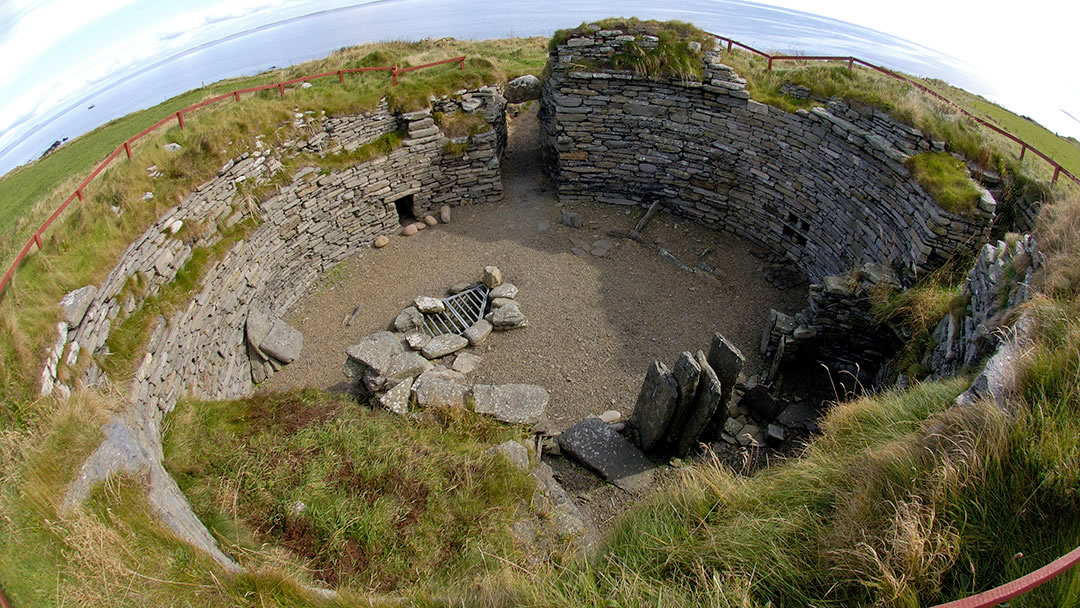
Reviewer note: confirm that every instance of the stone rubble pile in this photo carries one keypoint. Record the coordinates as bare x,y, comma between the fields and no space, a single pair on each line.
408,368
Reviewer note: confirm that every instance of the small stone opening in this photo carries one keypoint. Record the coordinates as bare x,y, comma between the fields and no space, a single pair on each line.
406,209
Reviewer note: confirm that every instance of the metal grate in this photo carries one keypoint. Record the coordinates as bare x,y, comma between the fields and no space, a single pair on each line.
462,310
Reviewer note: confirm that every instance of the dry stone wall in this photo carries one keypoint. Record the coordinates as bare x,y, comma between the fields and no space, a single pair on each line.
825,187
306,227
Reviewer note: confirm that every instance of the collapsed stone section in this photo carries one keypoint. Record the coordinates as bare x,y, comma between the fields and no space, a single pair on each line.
824,187
306,228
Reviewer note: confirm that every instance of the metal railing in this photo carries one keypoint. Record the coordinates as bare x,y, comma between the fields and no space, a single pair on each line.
853,61
125,147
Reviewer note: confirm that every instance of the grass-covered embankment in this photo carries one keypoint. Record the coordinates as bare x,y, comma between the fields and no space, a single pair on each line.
351,497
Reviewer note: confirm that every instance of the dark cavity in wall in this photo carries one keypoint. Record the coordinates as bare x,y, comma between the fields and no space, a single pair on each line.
406,209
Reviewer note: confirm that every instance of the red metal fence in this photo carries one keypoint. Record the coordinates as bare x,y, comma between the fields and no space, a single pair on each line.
852,61
35,239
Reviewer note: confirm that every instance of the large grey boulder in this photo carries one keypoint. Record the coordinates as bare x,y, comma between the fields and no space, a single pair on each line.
405,365
596,445
508,317
513,403
506,290
708,399
372,353
522,89
257,327
75,304
284,342
443,345
655,406
440,387
408,320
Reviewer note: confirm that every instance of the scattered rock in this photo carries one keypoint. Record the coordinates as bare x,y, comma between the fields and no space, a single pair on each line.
147,196
492,277
175,226
406,365
372,353
75,304
513,403
465,363
460,287
443,345
799,416
599,447
655,406
430,220
420,225
429,305
408,320
514,452
571,218
508,317
478,332
500,302
506,290
760,403
775,432
173,147
611,416
444,214
283,343
416,340
381,241
522,89
409,230
397,398
440,387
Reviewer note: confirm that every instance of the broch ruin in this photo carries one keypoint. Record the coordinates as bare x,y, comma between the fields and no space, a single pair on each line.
825,191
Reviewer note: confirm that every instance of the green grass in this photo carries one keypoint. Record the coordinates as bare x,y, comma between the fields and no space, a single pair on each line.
671,57
390,505
946,179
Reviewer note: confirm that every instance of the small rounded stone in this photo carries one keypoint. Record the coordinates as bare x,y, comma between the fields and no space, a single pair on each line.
381,241
430,220
420,225
444,214
409,230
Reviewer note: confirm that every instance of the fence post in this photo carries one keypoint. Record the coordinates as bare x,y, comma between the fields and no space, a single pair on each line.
281,89
340,77
180,118
236,95
1057,171
127,148
394,73
79,194
729,43
850,63
769,69
1023,150
462,66
37,240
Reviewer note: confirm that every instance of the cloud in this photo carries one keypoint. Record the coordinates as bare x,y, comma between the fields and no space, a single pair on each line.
187,22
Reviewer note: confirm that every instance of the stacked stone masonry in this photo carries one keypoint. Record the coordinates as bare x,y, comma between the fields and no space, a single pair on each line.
825,187
304,229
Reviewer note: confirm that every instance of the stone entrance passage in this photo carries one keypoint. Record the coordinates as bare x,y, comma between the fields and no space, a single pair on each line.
406,209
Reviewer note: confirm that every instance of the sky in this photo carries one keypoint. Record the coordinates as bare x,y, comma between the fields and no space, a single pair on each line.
56,51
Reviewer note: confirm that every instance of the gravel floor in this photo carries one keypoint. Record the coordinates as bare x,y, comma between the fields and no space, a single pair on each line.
595,323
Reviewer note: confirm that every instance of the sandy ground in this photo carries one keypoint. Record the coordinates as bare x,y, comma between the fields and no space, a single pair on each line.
595,323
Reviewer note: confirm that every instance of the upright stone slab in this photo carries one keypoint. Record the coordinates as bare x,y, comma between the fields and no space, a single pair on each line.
655,406
727,361
707,399
75,304
687,373
596,445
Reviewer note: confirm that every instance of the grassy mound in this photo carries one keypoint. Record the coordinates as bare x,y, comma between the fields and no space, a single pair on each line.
359,498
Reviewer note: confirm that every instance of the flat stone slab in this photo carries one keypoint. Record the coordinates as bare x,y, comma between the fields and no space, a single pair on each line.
440,387
76,302
513,403
443,345
597,446
407,365
506,290
429,305
465,363
373,352
284,342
